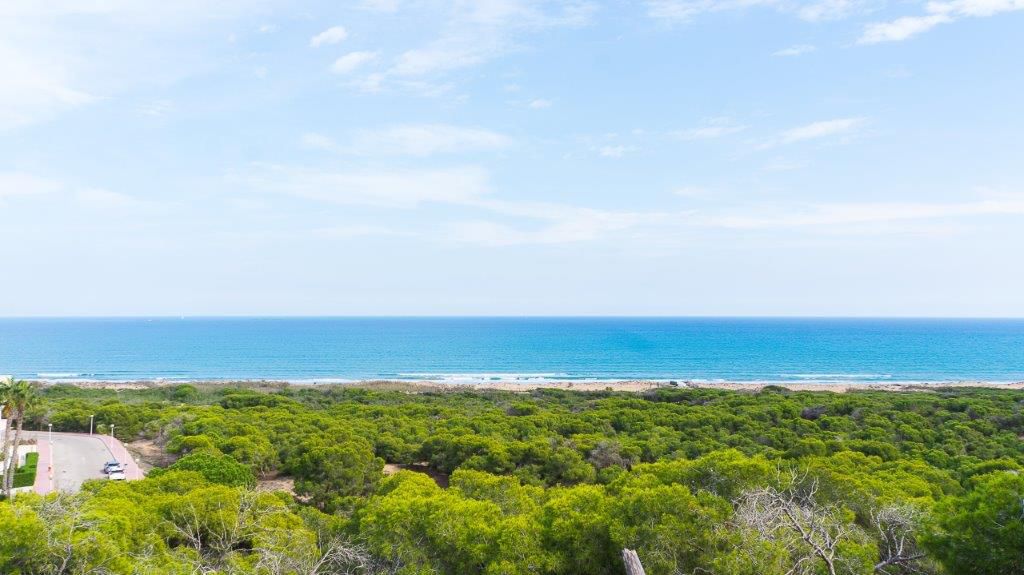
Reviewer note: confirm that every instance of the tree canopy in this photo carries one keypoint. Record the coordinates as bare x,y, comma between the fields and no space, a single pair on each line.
545,482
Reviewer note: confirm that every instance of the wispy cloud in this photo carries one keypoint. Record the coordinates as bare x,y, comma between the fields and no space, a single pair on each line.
156,108
468,187
616,151
935,13
332,35
478,32
445,55
57,57
379,5
549,223
679,11
815,131
23,184
35,87
711,128
873,212
413,140
820,130
352,61
690,191
357,231
682,11
583,227
825,10
796,50
392,188
539,104
102,198
901,28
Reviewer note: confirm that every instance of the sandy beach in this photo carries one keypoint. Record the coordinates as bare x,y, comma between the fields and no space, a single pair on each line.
634,386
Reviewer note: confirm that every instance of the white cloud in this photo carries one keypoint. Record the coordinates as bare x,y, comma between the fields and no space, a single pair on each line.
351,61
429,139
550,223
332,35
559,225
101,198
490,233
783,165
712,128
796,50
467,187
267,29
418,140
447,54
613,151
477,32
821,129
829,10
678,11
877,212
319,142
681,11
393,188
539,104
935,13
22,184
690,191
156,108
901,28
35,87
61,55
379,5
356,231
371,82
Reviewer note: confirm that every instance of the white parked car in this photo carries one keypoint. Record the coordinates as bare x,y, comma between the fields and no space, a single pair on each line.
116,476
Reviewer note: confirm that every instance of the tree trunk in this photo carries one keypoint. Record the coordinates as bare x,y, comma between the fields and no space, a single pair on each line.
12,465
6,460
632,561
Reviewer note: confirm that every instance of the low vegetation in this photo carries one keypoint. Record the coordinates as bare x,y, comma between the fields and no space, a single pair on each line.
548,482
25,476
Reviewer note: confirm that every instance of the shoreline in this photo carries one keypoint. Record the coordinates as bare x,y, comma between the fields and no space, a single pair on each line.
633,386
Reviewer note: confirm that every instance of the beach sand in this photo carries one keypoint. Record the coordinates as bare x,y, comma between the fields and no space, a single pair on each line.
635,386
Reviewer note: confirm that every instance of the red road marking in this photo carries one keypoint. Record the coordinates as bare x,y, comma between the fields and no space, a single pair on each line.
44,481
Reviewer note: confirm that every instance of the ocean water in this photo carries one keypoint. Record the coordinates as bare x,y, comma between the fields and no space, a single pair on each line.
522,349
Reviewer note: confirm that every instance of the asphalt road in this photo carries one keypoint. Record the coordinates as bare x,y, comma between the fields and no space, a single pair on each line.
75,459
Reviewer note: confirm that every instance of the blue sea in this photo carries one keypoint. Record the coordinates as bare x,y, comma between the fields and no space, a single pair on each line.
514,349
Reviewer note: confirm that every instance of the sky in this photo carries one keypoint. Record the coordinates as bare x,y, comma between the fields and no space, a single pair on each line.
512,157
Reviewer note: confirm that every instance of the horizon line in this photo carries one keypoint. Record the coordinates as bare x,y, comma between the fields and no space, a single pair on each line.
510,316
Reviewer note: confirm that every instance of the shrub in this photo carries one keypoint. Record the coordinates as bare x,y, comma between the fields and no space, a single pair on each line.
222,469
25,476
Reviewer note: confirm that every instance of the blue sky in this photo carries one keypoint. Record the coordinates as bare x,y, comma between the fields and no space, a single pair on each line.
668,157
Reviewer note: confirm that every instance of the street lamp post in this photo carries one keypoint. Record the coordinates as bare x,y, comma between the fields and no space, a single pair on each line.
112,440
49,468
90,423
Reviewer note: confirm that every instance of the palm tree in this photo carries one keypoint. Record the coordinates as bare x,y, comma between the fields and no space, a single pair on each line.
17,397
6,387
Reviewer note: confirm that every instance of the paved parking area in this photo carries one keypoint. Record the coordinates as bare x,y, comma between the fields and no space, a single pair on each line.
76,458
